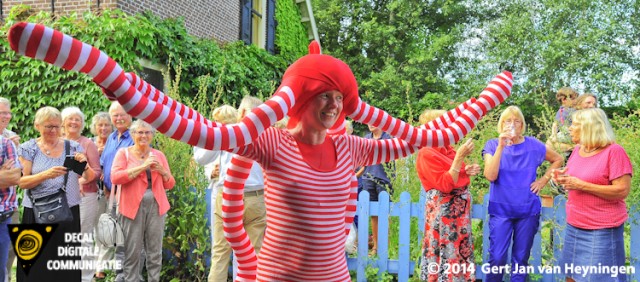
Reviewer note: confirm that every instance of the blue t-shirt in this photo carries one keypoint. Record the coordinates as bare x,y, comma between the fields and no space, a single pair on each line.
109,153
510,194
379,172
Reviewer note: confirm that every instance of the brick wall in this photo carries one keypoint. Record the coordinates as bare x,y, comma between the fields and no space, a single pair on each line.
60,7
218,19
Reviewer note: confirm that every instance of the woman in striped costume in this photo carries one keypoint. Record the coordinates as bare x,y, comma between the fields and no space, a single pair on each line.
311,189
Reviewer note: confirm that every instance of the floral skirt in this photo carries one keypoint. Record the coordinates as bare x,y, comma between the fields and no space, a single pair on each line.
447,253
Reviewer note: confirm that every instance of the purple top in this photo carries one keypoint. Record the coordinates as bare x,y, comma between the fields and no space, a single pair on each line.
510,194
563,115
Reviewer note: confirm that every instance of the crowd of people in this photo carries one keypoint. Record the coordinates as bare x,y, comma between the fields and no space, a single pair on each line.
37,168
597,177
285,198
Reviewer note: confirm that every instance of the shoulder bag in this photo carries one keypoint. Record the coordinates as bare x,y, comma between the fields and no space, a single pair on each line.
53,208
108,231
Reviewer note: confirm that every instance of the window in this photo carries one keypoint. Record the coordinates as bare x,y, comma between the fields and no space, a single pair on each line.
257,24
153,74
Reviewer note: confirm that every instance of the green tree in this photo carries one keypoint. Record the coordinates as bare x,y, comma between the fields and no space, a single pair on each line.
591,46
400,50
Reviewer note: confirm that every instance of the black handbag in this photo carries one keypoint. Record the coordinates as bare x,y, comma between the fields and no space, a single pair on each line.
53,208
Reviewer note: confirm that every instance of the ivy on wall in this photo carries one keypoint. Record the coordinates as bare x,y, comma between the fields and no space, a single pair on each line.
234,69
291,35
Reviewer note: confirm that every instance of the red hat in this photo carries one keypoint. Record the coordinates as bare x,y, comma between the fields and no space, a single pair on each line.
314,74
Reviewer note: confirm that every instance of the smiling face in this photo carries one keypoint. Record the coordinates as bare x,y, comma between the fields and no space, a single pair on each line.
73,125
142,136
103,128
5,116
322,111
120,118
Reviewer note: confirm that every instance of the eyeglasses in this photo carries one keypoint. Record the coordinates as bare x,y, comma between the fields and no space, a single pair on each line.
515,121
5,113
144,132
52,127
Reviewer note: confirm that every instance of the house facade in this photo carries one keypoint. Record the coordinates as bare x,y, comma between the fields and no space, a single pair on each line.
223,20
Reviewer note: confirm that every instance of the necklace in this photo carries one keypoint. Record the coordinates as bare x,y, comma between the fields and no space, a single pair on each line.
48,151
141,154
590,151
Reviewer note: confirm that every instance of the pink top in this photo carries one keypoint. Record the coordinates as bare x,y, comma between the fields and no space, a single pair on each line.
133,189
94,162
588,211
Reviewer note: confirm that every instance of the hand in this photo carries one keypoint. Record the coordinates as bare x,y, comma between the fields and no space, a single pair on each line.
569,182
556,173
150,162
9,177
15,139
8,164
472,169
55,171
537,185
216,171
465,149
80,157
505,138
159,168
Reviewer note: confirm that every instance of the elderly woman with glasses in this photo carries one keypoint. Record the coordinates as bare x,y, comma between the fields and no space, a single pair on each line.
510,163
73,125
44,174
144,175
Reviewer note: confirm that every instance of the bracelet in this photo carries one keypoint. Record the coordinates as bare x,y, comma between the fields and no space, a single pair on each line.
548,177
456,170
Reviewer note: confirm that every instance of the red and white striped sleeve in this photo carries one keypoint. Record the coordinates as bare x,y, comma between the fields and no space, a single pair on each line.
46,44
495,93
233,200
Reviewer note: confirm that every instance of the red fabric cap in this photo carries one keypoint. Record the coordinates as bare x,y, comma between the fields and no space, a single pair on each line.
315,74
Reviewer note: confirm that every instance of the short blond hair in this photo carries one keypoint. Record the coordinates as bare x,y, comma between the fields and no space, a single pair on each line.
429,115
595,129
508,112
46,113
225,114
247,104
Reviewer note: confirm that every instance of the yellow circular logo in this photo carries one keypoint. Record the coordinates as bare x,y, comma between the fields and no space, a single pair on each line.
28,244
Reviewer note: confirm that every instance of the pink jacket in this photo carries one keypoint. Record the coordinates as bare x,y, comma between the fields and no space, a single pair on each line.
133,189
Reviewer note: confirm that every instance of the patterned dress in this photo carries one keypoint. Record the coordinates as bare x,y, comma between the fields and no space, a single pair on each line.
448,242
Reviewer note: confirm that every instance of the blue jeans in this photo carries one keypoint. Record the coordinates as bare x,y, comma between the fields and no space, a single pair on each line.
5,243
601,248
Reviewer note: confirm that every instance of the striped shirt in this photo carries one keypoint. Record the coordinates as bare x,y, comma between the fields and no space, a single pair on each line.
8,196
307,209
